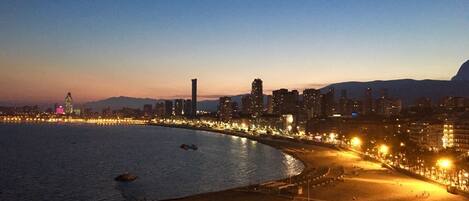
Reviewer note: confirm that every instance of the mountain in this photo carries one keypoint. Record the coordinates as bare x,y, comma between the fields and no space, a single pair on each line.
116,103
463,73
407,90
132,102
119,102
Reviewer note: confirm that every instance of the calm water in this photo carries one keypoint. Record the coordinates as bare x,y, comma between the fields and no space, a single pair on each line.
79,162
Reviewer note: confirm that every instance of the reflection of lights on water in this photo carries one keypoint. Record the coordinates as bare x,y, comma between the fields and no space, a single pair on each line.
234,137
243,140
293,166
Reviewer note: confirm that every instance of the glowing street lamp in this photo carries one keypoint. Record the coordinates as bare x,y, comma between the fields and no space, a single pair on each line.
383,149
444,163
356,142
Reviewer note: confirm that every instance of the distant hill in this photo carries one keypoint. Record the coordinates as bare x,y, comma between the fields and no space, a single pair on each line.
132,102
119,102
407,90
137,103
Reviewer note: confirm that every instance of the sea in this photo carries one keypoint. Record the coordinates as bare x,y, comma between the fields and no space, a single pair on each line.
59,161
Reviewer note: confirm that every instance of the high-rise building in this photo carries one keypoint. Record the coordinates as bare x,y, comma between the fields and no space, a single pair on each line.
427,134
344,105
179,107
246,104
160,109
168,108
68,104
147,110
285,102
187,107
257,98
368,102
269,109
312,103
278,97
388,106
194,98
329,103
225,110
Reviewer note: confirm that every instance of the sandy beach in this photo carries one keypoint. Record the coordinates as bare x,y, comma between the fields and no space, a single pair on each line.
348,177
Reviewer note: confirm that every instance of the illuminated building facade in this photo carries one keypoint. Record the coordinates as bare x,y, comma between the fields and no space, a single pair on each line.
458,135
179,107
285,102
187,107
225,109
312,103
427,134
68,104
448,135
59,110
328,103
257,98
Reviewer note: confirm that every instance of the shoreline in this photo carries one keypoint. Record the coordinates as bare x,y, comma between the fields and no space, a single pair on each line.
268,142
357,178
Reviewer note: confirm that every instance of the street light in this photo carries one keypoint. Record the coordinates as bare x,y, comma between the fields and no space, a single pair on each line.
355,142
383,149
444,163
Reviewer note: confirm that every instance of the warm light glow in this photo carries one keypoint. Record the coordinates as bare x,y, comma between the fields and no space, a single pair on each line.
356,142
444,163
384,149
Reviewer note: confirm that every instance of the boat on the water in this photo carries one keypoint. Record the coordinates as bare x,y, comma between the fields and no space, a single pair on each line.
126,177
189,147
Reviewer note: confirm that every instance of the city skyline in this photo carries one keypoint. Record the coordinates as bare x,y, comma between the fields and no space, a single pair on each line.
151,49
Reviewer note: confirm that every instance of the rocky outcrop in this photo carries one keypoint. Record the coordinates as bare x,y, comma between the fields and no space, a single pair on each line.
463,73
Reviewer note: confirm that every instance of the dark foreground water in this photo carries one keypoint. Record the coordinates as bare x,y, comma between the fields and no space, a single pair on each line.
79,162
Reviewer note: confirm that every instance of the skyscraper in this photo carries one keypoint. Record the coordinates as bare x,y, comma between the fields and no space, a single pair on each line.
246,104
285,102
368,102
344,108
160,109
187,107
270,105
68,104
329,102
168,108
312,102
257,98
179,107
225,109
194,98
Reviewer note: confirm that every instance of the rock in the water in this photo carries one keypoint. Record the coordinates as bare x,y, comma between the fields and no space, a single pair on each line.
126,177
463,73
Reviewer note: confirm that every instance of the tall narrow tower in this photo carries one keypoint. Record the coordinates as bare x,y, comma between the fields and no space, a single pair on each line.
257,98
68,104
194,98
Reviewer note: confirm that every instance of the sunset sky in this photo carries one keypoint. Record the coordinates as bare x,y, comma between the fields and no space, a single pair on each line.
99,49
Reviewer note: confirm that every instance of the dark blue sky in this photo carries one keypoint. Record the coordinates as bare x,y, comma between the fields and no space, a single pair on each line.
104,48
